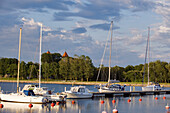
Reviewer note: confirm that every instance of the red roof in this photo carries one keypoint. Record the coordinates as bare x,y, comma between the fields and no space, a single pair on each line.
48,52
65,54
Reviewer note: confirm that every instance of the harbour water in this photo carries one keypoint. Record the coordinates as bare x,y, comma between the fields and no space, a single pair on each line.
147,105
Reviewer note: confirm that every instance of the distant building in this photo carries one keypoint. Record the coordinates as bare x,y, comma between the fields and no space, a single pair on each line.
65,54
48,52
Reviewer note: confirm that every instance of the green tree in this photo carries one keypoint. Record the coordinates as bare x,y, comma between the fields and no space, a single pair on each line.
23,72
64,69
45,57
89,68
46,70
74,68
54,70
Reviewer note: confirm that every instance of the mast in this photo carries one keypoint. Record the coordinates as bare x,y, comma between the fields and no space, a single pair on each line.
111,28
40,58
148,52
19,60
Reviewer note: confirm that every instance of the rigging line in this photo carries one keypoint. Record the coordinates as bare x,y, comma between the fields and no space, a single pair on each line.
116,62
145,58
148,51
34,59
103,53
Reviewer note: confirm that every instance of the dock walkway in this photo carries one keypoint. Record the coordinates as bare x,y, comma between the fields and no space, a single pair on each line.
129,93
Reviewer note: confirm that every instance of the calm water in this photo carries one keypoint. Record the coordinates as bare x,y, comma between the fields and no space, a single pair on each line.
148,104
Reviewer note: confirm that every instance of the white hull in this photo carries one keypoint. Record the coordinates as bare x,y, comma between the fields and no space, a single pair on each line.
78,96
151,88
108,90
79,92
18,98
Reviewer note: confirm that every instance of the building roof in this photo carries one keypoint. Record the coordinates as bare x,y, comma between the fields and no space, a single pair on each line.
48,52
65,54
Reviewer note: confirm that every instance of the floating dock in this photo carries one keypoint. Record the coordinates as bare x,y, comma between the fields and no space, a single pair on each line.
129,93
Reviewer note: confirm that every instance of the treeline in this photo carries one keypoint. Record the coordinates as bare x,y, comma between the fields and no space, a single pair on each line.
56,67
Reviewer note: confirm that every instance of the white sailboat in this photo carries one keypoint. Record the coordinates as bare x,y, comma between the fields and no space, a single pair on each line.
78,92
151,85
44,91
111,86
25,96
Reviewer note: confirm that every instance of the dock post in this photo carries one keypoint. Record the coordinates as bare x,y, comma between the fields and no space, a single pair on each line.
130,88
19,89
133,88
65,89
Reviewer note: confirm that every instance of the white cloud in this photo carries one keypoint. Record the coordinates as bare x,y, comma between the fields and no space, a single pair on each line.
30,22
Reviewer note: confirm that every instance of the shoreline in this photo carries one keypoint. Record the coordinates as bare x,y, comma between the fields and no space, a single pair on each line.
80,83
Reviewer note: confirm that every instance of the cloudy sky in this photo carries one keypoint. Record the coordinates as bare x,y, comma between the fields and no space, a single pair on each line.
81,27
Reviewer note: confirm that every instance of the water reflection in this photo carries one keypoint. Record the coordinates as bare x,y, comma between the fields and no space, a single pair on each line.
9,107
147,105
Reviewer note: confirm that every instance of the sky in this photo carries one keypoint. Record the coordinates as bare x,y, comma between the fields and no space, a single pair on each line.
81,27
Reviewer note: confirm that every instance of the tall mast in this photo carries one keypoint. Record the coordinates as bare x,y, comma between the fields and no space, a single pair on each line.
19,59
40,58
111,28
148,52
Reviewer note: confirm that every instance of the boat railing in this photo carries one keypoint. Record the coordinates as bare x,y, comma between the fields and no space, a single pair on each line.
7,92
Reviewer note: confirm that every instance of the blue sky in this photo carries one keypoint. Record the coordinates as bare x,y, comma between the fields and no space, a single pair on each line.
81,27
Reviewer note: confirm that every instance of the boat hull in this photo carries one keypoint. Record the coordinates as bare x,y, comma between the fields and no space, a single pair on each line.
18,98
114,87
78,95
109,90
151,88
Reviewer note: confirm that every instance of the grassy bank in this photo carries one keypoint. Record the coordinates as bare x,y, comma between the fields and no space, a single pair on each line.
78,82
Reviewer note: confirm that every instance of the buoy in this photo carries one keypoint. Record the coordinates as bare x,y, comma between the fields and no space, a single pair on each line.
73,102
115,110
113,101
129,100
52,104
104,112
30,105
57,103
102,102
168,111
1,105
164,97
140,99
166,107
156,98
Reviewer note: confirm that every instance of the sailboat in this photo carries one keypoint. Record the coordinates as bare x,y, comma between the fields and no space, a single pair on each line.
151,85
111,86
25,96
44,91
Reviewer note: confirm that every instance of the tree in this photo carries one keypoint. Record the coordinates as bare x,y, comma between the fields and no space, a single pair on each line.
128,68
54,70
23,72
64,68
74,68
82,67
45,70
167,66
52,57
89,68
45,57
